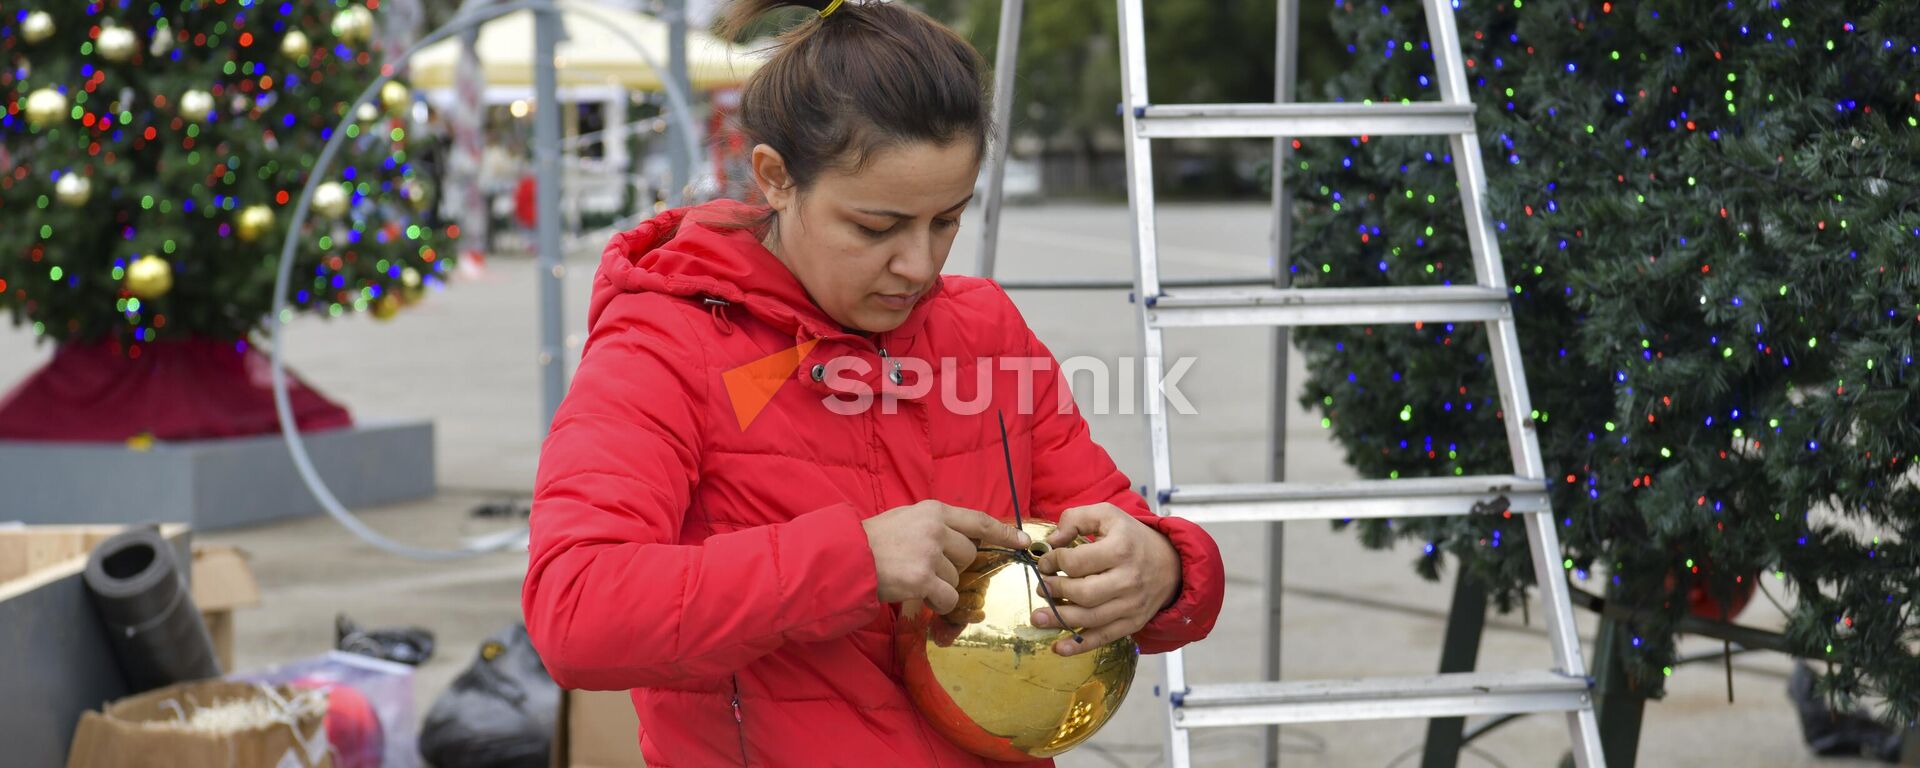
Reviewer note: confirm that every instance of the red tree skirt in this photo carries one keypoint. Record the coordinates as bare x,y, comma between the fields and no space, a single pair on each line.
173,390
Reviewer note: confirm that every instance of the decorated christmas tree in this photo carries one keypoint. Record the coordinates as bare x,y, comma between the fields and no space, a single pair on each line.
150,157
1710,218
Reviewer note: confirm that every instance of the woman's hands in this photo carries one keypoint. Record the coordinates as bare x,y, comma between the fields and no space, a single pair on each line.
919,550
1115,583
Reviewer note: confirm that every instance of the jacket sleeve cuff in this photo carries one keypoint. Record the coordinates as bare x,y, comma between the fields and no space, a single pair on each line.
826,572
1202,588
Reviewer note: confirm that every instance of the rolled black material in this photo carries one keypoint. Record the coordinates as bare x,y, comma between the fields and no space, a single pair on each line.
142,597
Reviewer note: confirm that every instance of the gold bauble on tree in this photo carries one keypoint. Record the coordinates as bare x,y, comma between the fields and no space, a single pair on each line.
330,200
253,222
195,105
353,25
990,681
117,43
162,42
38,26
149,277
395,97
73,190
45,107
416,193
412,288
295,45
385,307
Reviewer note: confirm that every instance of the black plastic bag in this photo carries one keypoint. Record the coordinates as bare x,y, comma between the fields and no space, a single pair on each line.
499,713
1839,734
407,645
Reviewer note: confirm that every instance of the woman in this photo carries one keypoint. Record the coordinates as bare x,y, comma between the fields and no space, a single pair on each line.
783,426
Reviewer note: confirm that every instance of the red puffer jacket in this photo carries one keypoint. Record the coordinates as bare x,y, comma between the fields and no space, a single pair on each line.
700,543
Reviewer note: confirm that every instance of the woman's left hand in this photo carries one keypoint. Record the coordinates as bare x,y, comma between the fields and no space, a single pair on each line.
1115,583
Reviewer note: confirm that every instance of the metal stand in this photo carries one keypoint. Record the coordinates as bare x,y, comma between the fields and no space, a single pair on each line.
1459,652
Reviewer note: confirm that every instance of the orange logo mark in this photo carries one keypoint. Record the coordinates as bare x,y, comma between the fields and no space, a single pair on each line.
750,387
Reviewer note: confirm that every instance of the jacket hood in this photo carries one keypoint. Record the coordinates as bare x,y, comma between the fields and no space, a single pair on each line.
704,253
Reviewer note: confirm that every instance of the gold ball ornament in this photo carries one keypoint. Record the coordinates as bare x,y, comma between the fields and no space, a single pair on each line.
295,45
395,97
196,105
38,26
417,194
412,287
990,682
46,107
117,44
353,25
149,277
385,307
330,200
253,222
162,42
73,190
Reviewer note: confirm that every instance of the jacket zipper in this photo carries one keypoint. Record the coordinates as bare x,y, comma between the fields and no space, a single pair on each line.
740,723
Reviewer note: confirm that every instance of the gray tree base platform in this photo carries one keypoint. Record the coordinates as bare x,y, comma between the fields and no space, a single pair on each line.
213,484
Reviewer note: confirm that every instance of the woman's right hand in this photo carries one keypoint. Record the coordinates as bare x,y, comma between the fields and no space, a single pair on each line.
919,550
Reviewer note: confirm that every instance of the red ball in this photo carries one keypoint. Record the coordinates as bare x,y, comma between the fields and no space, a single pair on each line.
353,727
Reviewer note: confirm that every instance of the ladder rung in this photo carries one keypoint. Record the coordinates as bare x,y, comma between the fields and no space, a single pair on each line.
1449,695
1413,497
1223,121
1327,306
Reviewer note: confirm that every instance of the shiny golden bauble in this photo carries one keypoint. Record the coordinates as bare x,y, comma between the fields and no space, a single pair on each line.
416,194
149,277
73,190
162,42
330,200
990,682
353,25
117,43
45,107
396,97
295,45
412,287
385,307
196,105
253,222
38,26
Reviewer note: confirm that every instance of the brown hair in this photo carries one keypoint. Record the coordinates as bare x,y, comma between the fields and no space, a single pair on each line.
867,77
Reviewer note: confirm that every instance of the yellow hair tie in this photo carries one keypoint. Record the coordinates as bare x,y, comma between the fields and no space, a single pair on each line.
831,7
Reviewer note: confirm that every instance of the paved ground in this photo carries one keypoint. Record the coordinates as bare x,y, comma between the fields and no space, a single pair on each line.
465,359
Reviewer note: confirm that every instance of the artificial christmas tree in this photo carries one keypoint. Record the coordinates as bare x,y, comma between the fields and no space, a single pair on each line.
149,155
1710,213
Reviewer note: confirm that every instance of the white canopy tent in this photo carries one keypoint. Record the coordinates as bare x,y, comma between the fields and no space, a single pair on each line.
598,53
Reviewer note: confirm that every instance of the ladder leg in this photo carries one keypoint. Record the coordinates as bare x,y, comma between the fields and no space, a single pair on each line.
1146,281
1286,55
1459,652
1005,57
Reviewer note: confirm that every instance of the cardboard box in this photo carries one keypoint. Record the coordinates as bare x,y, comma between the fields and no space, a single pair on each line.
597,729
52,643
138,731
222,581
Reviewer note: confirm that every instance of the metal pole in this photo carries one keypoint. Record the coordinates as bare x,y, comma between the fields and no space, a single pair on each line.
1006,56
1459,652
1286,40
546,154
679,170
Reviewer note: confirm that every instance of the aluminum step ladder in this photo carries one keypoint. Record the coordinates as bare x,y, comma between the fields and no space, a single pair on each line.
1566,688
